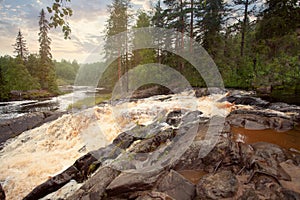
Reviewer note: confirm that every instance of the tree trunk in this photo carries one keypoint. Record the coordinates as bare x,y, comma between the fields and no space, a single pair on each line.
244,27
192,25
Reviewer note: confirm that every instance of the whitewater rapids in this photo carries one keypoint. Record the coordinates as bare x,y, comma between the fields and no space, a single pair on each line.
35,155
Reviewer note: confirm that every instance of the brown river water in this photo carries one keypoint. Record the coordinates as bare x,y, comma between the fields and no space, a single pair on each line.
288,139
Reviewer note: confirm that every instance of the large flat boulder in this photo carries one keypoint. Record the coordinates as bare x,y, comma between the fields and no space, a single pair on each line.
176,186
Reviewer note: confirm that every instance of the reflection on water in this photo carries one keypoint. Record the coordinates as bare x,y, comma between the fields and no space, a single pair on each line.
289,139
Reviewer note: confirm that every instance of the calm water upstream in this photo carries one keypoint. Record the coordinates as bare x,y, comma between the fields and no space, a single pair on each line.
13,109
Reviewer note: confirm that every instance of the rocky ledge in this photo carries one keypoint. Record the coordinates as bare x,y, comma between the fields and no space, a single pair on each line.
147,162
11,128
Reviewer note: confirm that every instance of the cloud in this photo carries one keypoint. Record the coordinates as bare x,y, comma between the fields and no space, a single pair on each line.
145,4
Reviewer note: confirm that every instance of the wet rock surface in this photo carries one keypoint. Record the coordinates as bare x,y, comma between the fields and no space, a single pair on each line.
2,193
176,186
13,127
245,100
215,186
234,170
95,187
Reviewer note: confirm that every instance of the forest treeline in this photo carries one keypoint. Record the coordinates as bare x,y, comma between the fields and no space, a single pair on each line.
255,44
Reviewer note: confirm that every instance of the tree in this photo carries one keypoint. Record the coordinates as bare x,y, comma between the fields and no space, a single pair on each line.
281,17
158,20
209,24
60,12
118,22
176,18
142,56
47,72
45,41
246,4
20,47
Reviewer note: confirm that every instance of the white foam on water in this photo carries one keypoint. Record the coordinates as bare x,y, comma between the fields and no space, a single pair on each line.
31,158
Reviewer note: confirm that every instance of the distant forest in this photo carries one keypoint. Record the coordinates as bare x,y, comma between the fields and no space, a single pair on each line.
254,43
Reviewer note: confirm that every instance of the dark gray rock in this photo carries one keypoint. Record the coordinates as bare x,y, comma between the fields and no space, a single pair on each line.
2,193
124,140
94,188
79,171
174,117
215,186
127,183
13,127
27,122
155,90
245,100
151,144
176,186
260,120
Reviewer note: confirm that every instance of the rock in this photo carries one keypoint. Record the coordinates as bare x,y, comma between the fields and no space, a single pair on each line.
245,100
260,120
78,171
13,127
2,193
152,195
267,158
127,183
264,89
53,184
94,188
200,92
174,118
124,140
155,90
249,194
176,186
151,144
64,192
289,194
215,186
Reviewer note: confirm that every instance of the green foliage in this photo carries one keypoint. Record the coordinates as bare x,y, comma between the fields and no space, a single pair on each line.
46,72
66,72
15,76
88,74
20,47
60,12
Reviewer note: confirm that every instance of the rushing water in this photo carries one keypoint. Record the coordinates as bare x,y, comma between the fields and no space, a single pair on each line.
35,155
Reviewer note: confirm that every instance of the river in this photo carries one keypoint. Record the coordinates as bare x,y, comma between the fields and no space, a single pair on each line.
13,109
35,155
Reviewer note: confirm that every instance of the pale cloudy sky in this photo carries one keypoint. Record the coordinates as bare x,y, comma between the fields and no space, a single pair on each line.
87,24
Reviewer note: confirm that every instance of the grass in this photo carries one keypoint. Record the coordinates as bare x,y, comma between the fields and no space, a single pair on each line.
89,101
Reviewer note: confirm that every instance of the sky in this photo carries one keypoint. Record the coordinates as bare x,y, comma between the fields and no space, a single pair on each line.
87,24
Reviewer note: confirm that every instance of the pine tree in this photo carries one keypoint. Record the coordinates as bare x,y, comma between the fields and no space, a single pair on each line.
280,18
47,71
245,23
209,24
158,20
20,47
142,56
118,22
